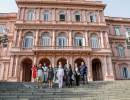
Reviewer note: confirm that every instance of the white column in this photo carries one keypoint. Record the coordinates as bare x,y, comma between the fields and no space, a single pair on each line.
88,60
19,38
53,61
35,59
11,66
14,40
84,16
86,37
53,38
102,42
23,11
36,41
110,66
69,15
70,38
99,19
105,67
16,66
107,40
89,68
100,46
71,61
54,15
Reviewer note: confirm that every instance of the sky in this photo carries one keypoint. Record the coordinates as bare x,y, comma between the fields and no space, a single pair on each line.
114,8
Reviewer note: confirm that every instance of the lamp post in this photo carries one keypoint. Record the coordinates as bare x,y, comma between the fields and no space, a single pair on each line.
4,40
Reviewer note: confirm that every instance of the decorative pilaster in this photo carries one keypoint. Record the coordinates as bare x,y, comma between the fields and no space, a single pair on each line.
35,59
110,66
105,69
23,11
71,61
14,40
54,15
36,41
107,41
11,66
102,41
53,38
19,38
16,65
86,37
70,38
99,17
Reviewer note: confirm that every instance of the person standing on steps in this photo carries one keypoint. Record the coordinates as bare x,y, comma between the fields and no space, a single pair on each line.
34,72
83,72
60,75
68,75
45,76
40,75
55,80
77,74
50,76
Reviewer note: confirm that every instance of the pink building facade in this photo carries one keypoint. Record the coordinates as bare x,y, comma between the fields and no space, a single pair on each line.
53,31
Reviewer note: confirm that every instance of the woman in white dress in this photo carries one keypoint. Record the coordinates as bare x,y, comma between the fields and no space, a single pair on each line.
60,75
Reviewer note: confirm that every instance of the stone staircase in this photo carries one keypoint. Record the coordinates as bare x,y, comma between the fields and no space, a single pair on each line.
116,90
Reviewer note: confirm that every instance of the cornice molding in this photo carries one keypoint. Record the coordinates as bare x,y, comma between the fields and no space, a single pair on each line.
20,2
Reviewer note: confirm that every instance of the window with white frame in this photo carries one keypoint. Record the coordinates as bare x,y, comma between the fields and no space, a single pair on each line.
125,72
79,40
46,39
94,41
61,40
2,27
92,17
62,16
77,16
46,16
117,31
121,51
31,15
28,40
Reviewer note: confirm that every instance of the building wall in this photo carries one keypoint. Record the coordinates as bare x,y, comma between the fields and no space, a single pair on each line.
105,58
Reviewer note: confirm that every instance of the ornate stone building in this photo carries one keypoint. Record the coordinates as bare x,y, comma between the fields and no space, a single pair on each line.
51,31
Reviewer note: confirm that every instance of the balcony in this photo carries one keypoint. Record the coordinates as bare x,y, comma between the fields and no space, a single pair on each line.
85,49
62,48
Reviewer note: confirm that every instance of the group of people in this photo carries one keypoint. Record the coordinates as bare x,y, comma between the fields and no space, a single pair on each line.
58,74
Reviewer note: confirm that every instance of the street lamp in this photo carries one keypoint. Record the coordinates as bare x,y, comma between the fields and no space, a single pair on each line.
4,40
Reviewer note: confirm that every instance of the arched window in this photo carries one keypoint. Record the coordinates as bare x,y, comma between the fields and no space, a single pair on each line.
62,16
61,40
31,15
28,40
79,40
46,39
77,16
92,17
94,41
121,51
46,16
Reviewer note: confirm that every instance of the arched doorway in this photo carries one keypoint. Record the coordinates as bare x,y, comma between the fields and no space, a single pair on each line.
26,70
78,61
63,61
97,70
45,60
